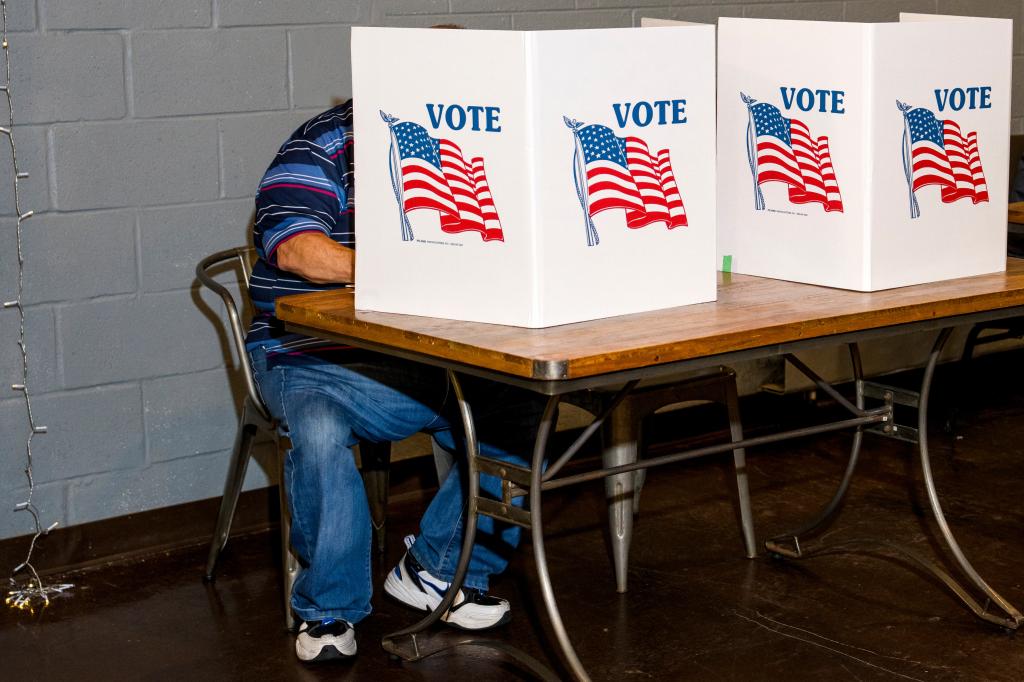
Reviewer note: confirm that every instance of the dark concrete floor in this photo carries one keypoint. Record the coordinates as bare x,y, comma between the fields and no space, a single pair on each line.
696,609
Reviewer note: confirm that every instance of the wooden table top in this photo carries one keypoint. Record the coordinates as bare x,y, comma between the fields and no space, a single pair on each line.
750,312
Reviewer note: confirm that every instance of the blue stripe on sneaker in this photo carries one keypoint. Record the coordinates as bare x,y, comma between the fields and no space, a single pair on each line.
419,580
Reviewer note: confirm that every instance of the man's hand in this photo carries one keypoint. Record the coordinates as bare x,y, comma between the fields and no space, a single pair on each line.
318,258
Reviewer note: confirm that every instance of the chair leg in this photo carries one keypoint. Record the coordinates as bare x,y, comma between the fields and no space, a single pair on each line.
290,563
732,404
620,434
376,464
232,489
443,461
640,475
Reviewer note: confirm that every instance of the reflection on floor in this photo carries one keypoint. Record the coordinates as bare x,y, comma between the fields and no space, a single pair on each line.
696,609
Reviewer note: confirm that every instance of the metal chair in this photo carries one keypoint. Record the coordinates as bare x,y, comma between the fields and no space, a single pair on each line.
375,458
622,443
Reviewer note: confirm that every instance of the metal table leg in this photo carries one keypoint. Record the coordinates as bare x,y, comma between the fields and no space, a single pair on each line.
620,438
413,643
788,545
409,649
1015,618
537,531
778,545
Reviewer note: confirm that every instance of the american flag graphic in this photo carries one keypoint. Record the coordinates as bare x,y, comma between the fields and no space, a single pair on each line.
787,152
623,173
436,176
942,155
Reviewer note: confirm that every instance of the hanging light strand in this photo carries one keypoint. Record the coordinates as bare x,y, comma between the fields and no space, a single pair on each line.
27,590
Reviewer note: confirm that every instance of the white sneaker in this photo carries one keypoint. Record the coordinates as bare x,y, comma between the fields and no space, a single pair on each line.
412,585
325,640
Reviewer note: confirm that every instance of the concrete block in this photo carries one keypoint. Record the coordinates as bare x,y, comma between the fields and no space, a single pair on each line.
204,72
808,11
21,16
265,466
382,10
134,14
191,414
521,5
39,335
102,249
475,21
90,431
175,238
49,499
162,484
885,10
125,339
613,4
321,66
67,77
109,165
33,190
266,12
1017,103
702,14
537,21
248,144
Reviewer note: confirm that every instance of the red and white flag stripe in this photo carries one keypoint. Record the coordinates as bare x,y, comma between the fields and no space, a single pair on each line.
955,167
806,167
461,193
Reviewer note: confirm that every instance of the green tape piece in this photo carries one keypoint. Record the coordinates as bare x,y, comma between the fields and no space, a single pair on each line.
726,263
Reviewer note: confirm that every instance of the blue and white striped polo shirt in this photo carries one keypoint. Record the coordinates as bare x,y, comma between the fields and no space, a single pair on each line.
307,188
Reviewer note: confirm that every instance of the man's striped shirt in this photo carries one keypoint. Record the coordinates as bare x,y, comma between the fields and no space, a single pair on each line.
307,188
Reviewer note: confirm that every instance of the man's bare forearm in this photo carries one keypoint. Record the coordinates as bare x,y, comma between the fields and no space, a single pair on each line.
318,258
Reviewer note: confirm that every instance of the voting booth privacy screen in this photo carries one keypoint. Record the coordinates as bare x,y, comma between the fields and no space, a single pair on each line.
863,156
534,178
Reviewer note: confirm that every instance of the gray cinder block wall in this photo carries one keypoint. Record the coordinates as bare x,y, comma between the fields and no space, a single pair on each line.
145,125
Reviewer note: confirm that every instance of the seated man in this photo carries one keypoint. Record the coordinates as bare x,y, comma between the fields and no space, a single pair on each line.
327,397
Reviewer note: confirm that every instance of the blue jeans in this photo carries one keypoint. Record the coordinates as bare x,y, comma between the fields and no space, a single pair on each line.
325,409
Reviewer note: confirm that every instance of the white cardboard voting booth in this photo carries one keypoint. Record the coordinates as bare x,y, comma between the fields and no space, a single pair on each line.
863,156
534,178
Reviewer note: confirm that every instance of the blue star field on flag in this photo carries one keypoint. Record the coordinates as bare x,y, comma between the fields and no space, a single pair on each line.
768,120
601,144
414,142
924,126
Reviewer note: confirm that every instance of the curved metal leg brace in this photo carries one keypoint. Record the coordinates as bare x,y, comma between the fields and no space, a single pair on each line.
406,643
537,531
792,548
1015,617
390,642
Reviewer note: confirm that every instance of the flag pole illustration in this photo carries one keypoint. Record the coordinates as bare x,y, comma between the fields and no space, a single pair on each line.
579,178
752,152
781,149
612,172
937,152
915,210
393,163
431,173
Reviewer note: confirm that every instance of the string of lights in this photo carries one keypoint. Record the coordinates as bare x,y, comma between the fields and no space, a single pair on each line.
27,590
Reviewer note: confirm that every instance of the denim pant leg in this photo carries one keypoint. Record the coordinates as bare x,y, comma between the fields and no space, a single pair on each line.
506,419
325,409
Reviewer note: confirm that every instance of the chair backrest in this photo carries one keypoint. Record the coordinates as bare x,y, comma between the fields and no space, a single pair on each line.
244,256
